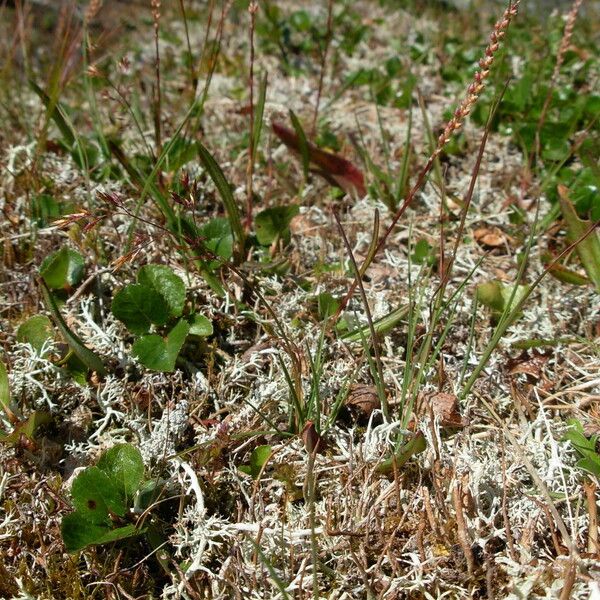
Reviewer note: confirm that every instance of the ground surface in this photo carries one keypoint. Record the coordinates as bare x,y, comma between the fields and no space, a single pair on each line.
495,504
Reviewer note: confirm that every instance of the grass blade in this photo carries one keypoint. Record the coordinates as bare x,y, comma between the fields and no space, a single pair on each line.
259,114
233,213
88,357
588,249
302,143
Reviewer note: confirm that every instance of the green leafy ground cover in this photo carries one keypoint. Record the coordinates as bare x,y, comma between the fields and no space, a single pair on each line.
224,374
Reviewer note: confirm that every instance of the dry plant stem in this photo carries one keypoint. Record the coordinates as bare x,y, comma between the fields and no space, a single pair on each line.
211,8
474,91
461,525
534,475
505,517
155,5
328,37
252,10
569,580
92,10
590,495
446,267
374,338
469,197
193,76
311,489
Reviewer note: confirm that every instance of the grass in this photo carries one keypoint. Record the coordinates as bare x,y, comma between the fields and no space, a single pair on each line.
323,393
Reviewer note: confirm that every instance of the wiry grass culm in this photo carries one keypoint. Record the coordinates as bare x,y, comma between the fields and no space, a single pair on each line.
269,330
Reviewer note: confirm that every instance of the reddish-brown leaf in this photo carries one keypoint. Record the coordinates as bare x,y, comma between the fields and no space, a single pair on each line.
336,169
313,442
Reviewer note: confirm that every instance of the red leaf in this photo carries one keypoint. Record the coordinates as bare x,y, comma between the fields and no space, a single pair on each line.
334,168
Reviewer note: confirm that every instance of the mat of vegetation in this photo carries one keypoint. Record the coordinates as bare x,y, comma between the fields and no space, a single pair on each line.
299,299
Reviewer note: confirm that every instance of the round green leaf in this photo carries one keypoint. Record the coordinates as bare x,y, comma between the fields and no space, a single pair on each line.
63,268
138,306
200,325
218,238
77,532
95,494
170,286
124,465
159,354
35,331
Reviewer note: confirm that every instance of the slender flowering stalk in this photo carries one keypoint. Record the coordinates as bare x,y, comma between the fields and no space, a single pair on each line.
92,10
566,38
478,85
155,6
560,57
474,91
252,10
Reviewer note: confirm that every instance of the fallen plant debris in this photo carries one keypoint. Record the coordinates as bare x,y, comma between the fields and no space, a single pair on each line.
333,168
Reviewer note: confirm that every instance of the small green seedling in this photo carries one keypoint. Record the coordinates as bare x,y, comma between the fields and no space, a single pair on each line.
586,447
423,253
260,455
103,497
157,301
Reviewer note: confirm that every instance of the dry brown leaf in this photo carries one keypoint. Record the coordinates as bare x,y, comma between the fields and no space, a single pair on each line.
527,364
490,237
363,398
445,407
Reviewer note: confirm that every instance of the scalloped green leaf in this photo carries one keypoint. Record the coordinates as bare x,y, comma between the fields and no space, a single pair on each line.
160,354
78,533
35,331
200,325
124,465
139,306
163,280
218,238
95,495
274,223
260,455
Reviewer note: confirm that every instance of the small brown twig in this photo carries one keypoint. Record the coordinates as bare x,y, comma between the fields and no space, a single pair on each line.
590,495
461,525
328,37
569,580
505,518
252,10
